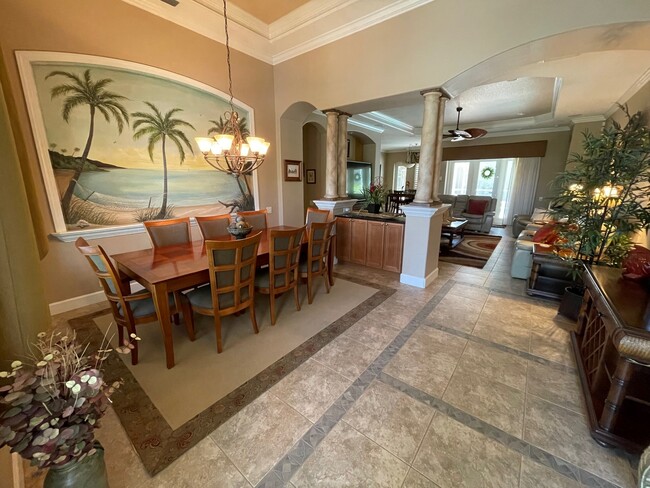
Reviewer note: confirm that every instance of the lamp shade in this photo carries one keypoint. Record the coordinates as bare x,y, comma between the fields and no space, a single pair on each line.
204,143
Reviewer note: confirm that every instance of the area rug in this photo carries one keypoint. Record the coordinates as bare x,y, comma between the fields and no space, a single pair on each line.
473,250
166,412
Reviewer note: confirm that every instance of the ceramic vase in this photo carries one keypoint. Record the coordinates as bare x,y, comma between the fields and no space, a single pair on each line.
89,473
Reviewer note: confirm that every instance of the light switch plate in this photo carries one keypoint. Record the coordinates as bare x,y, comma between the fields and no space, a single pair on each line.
269,210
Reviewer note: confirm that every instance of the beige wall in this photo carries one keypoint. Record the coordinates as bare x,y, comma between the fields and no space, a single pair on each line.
390,160
314,158
114,29
577,137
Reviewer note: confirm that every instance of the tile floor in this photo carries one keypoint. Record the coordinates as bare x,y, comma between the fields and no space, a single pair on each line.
468,383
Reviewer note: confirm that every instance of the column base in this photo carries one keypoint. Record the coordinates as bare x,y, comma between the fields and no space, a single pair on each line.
336,206
421,243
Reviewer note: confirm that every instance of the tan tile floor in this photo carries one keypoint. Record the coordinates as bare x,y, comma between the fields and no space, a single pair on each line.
470,383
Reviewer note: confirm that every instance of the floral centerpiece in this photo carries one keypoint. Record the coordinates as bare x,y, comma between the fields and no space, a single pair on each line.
51,403
375,195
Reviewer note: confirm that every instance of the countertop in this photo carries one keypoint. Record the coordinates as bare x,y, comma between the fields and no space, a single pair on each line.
381,217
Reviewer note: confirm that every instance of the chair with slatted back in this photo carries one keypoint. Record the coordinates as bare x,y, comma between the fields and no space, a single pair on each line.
317,215
129,309
169,232
256,218
315,263
232,281
213,226
282,272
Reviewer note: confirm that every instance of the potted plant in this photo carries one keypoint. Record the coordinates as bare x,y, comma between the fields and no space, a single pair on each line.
604,196
51,404
375,195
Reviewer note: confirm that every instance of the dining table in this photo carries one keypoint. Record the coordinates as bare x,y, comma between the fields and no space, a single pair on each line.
168,269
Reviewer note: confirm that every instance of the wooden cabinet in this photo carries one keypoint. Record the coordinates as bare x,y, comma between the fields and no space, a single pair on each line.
375,244
371,243
393,244
358,239
343,239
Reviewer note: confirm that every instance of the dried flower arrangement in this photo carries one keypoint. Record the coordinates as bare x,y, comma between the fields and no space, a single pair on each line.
55,399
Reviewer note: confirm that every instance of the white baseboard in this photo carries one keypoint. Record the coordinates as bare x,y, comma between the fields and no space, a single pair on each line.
84,300
418,281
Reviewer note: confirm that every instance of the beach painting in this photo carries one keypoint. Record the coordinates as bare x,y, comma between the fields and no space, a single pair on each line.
116,142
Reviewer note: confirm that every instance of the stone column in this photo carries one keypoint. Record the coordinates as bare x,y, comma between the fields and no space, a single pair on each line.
331,155
430,131
343,155
437,154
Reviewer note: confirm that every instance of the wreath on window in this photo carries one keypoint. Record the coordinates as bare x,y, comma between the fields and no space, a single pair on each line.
487,173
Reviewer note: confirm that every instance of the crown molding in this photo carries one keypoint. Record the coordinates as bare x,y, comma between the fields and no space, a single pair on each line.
373,17
585,119
629,93
208,22
285,38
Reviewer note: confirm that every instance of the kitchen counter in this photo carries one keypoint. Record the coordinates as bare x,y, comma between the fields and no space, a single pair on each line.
381,217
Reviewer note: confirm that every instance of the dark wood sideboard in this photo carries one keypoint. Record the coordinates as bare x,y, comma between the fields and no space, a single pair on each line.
612,348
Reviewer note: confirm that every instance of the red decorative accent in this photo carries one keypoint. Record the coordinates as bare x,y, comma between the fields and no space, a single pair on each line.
637,264
546,234
477,207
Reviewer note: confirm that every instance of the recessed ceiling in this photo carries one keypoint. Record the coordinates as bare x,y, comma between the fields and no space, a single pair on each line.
268,11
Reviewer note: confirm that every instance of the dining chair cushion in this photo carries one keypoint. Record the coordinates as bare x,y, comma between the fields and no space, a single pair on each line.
170,234
202,297
101,266
319,217
144,307
302,268
262,278
212,229
256,220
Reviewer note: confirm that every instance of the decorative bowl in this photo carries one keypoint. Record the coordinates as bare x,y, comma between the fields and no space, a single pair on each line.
239,232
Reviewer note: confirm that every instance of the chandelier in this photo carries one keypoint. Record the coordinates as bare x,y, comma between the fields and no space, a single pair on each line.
227,151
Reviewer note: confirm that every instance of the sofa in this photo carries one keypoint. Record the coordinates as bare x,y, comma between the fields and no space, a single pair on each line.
460,209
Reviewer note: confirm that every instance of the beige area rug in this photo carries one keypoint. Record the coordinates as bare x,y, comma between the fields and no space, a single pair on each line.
201,377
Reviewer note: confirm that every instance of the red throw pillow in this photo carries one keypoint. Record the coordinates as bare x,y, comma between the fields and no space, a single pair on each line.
546,234
477,207
637,264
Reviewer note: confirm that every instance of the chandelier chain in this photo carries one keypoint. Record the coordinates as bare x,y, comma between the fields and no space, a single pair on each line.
225,24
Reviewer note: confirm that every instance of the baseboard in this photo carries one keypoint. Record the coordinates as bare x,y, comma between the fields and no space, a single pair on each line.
418,281
84,300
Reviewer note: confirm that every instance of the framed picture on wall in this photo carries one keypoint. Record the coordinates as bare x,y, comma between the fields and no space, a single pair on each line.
292,170
311,176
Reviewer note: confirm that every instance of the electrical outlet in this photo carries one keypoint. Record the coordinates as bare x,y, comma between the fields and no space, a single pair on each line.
269,210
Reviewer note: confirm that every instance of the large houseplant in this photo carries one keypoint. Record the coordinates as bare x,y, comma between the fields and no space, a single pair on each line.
50,405
605,194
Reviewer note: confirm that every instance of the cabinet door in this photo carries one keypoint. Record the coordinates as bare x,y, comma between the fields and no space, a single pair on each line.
343,239
375,244
393,244
358,238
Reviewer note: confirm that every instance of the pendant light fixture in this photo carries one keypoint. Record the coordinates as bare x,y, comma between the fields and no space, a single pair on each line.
227,152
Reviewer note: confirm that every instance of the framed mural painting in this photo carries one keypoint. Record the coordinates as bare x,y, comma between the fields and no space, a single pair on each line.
115,142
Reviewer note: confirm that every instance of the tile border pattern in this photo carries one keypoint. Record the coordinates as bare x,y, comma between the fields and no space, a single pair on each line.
290,463
157,444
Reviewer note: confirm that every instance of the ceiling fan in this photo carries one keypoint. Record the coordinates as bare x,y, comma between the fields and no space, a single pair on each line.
464,135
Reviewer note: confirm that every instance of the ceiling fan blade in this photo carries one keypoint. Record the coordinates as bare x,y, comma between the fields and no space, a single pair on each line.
475,133
462,133
458,138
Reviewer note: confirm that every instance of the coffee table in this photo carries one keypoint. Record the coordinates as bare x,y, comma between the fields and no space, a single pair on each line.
452,229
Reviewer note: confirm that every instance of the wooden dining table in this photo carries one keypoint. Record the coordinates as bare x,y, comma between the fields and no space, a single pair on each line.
164,270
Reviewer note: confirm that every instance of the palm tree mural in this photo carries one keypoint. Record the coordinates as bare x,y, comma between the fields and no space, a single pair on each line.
80,91
159,128
222,126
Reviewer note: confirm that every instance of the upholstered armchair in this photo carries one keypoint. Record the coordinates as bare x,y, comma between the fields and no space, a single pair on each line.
477,210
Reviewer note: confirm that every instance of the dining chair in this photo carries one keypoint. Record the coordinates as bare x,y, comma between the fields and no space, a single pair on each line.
315,262
256,218
169,232
232,281
213,226
130,309
317,215
282,272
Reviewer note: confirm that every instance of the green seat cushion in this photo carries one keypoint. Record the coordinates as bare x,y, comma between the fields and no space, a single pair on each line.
144,307
202,297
